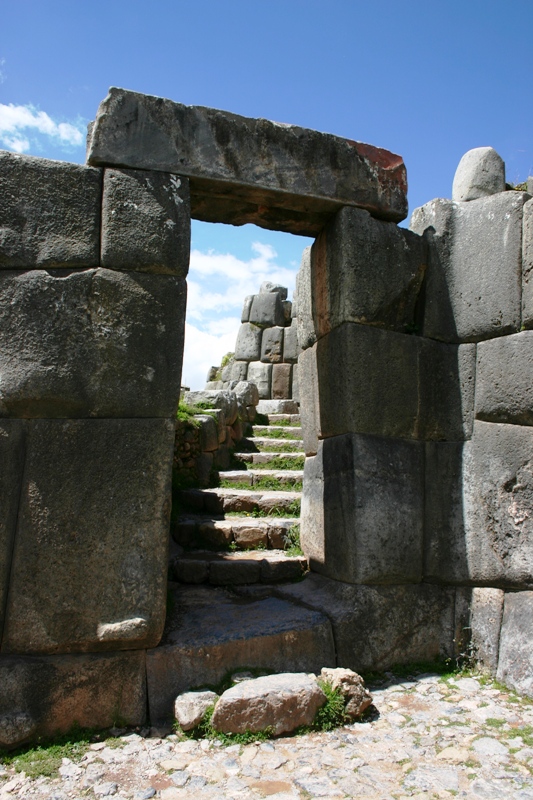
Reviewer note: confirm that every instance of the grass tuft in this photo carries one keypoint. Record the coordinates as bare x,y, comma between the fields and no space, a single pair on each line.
45,758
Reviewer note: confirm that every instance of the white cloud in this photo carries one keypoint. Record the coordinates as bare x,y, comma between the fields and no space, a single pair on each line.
204,350
19,123
218,284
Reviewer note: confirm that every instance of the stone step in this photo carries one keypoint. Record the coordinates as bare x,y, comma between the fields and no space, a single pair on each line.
210,631
220,500
237,568
269,444
244,532
284,419
294,431
265,458
278,407
253,476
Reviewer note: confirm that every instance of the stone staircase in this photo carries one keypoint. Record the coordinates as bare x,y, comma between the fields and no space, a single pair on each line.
246,531
233,592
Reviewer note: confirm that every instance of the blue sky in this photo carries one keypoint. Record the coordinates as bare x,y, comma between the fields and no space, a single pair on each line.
428,80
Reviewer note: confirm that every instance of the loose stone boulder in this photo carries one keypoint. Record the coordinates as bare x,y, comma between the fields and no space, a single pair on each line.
190,708
15,728
352,688
481,172
280,702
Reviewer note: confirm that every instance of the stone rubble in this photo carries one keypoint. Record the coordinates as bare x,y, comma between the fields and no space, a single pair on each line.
427,738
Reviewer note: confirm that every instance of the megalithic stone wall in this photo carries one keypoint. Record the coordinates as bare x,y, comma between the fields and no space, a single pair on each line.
418,404
266,350
92,309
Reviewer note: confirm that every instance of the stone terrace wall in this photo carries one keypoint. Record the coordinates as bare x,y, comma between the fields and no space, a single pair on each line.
92,309
267,348
418,370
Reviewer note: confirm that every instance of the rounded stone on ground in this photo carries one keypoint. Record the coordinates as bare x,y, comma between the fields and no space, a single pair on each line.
190,708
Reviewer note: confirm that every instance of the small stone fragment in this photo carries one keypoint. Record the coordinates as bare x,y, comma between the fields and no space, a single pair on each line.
280,702
190,708
351,686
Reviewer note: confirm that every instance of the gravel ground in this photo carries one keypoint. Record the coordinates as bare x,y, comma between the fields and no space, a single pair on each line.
427,738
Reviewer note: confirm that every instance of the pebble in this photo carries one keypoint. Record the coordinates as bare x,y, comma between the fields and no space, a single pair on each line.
426,738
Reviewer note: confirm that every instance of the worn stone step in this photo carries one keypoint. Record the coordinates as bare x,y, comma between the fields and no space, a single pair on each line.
269,444
236,568
253,476
227,500
245,532
210,631
278,407
266,458
294,431
284,419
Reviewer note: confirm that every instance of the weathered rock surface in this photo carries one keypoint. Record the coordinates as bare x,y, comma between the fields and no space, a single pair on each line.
485,623
291,350
305,324
12,453
248,170
145,222
479,507
473,283
281,381
272,345
367,271
190,708
54,693
515,665
91,539
378,626
93,342
261,375
504,379
16,728
527,263
352,688
210,632
49,212
267,310
248,345
481,172
280,702
362,509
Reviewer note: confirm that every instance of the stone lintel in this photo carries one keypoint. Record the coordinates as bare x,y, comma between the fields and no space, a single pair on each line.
244,170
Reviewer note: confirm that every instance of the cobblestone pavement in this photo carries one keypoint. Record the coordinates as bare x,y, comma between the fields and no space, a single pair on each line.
428,738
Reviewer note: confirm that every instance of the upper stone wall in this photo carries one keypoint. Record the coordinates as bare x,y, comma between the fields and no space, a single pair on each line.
241,170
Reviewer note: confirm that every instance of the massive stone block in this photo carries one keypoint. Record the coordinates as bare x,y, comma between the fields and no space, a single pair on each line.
291,350
248,170
447,378
362,509
305,324
49,213
211,632
473,286
267,310
261,375
90,554
55,693
527,264
504,379
248,346
307,375
376,627
12,452
146,222
272,345
90,343
515,665
366,270
368,381
281,381
479,508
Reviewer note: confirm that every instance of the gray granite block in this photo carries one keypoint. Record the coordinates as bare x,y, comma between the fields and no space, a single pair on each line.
92,537
515,665
146,222
248,170
504,379
49,213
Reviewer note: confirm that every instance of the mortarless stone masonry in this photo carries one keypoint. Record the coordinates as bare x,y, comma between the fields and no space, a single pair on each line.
408,351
